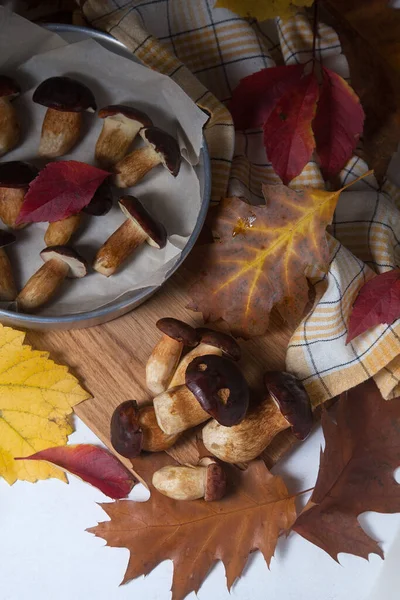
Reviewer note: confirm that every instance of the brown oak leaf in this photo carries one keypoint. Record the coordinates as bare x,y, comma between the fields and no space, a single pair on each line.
356,472
196,534
261,258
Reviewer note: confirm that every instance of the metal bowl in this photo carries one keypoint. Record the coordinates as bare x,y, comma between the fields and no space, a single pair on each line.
130,300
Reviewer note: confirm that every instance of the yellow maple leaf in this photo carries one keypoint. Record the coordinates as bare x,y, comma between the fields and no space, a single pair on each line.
263,9
36,398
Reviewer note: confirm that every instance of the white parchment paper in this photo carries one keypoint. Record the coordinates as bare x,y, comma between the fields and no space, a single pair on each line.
174,201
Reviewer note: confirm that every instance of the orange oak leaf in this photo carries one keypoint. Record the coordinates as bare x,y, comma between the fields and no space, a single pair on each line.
261,258
288,135
94,465
356,472
378,302
196,534
338,123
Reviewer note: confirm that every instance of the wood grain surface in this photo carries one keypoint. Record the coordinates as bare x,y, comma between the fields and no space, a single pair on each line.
110,362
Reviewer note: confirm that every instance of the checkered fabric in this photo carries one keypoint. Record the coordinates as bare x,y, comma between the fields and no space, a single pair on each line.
207,51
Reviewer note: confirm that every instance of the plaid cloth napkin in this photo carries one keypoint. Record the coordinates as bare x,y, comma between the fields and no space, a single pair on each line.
207,51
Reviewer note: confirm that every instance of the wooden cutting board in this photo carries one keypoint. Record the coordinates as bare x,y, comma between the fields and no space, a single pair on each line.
110,362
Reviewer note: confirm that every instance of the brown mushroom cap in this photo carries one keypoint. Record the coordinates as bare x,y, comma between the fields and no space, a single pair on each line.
219,386
179,331
126,433
128,112
77,264
215,486
292,399
17,174
102,201
8,87
64,94
224,341
166,146
133,209
6,238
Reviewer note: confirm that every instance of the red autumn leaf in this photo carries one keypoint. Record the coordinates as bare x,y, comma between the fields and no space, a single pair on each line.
61,189
378,302
256,96
338,123
356,472
92,464
288,136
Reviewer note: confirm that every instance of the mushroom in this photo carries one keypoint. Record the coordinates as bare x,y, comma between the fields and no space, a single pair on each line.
15,177
286,405
65,99
211,342
163,360
214,387
58,233
160,148
59,262
206,480
138,228
134,429
8,290
9,124
120,127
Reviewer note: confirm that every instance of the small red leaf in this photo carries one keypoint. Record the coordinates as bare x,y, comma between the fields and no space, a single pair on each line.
378,302
256,95
288,136
338,123
61,189
92,464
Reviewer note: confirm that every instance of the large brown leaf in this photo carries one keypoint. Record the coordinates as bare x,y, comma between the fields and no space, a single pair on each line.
196,534
261,258
356,472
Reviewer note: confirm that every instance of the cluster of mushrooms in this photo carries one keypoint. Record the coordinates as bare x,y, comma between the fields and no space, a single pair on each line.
194,378
66,100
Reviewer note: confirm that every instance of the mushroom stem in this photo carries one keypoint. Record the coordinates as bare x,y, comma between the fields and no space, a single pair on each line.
116,136
42,286
8,289
59,233
154,439
119,247
11,200
201,350
135,165
181,482
177,410
60,132
9,126
162,364
245,441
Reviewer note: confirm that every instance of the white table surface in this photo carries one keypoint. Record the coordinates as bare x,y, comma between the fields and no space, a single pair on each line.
45,553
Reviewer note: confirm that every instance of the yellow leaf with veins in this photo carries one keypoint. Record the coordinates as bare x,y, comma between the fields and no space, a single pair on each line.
36,399
263,9
262,257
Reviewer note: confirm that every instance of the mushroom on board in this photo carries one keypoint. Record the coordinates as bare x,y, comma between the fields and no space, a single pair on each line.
215,387
184,482
286,405
66,99
211,342
163,360
15,177
160,149
58,233
9,123
60,262
139,227
120,127
8,290
135,428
